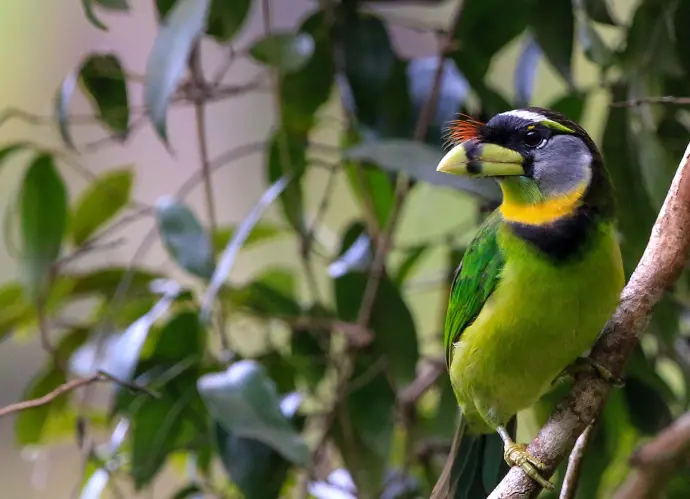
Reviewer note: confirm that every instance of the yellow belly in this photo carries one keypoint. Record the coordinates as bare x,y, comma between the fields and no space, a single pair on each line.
539,319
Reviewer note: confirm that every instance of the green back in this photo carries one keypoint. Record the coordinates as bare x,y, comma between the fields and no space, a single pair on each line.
474,281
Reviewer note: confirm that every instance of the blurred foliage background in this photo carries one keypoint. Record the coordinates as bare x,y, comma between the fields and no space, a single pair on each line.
234,204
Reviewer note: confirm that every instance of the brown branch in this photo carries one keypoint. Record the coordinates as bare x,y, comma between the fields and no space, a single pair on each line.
669,99
423,382
68,387
572,475
655,461
660,265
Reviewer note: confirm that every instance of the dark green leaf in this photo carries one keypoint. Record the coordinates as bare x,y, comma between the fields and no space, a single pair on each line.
120,5
303,92
598,10
681,21
419,161
372,187
184,238
650,45
244,400
655,165
368,62
357,257
364,428
412,257
395,337
526,71
262,232
182,337
189,492
571,105
648,411
310,348
288,156
287,52
29,425
595,48
90,13
99,203
103,80
226,18
553,25
169,55
156,427
257,469
481,33
43,212
106,281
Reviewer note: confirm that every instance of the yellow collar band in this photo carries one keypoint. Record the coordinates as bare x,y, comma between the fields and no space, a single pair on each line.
542,212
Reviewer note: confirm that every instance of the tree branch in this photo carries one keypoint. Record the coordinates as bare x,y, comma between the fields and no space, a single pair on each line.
68,387
655,461
659,267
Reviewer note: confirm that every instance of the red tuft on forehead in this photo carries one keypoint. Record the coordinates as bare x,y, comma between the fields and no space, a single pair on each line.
464,129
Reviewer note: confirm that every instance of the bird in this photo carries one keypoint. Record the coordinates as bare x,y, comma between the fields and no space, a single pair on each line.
534,289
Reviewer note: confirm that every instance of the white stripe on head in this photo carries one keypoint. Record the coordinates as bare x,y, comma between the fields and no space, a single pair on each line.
525,115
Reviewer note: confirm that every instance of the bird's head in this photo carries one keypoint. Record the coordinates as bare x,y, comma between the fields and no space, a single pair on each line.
547,165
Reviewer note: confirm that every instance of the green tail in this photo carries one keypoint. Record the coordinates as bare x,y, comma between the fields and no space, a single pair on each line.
474,467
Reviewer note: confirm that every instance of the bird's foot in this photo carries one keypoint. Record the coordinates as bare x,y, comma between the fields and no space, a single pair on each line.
517,455
583,363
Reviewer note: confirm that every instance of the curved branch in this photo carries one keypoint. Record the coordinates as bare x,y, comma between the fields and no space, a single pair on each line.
656,460
659,267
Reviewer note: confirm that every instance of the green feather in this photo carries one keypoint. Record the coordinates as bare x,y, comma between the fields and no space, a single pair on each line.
475,280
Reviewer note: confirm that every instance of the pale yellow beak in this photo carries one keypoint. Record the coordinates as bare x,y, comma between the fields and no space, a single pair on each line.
482,160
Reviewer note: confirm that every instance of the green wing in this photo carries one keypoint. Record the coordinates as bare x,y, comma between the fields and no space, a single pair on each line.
474,281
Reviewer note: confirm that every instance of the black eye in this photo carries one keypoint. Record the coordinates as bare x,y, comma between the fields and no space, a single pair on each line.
533,138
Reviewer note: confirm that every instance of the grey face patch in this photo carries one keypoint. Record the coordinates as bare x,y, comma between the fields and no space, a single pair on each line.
561,165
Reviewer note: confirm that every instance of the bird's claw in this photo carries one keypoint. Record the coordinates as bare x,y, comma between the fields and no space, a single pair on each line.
517,455
582,363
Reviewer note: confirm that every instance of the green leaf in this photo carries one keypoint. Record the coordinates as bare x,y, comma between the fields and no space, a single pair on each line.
29,425
184,238
303,92
650,45
648,411
553,25
107,195
368,62
598,10
169,55
289,158
43,219
14,308
682,45
244,401
103,82
412,257
226,18
654,163
419,161
595,48
287,52
395,336
262,232
364,429
105,281
189,492
481,33
182,337
90,11
271,293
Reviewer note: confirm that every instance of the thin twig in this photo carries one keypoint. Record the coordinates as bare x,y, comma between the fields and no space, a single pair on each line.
423,382
669,99
572,475
655,461
660,266
68,387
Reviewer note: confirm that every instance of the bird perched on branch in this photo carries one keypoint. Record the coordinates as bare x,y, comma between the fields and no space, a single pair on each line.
534,289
